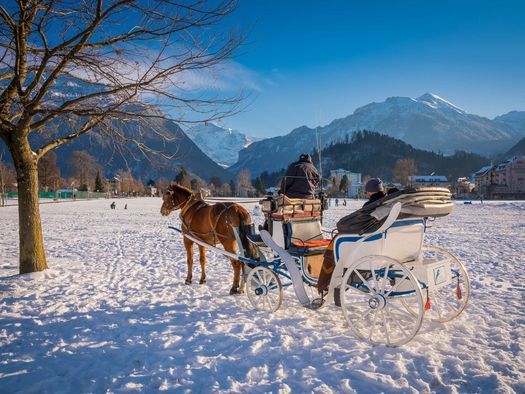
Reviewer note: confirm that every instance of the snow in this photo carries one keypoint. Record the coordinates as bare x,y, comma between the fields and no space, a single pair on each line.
112,314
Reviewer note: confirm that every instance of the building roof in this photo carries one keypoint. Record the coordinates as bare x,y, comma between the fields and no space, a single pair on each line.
483,170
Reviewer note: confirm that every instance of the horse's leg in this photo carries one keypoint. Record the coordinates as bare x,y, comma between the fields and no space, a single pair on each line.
229,245
202,259
236,264
188,244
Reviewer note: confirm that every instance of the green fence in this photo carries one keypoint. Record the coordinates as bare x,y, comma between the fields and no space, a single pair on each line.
62,195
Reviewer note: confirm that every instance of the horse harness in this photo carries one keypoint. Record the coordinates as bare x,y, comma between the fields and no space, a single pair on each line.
186,226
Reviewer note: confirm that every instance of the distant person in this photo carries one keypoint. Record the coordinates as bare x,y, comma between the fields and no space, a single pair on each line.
126,206
374,190
344,202
301,179
336,202
113,205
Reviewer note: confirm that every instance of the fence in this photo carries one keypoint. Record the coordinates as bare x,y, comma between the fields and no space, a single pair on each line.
57,196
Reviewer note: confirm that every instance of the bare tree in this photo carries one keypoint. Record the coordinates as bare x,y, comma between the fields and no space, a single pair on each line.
68,68
403,169
84,169
48,172
244,182
7,180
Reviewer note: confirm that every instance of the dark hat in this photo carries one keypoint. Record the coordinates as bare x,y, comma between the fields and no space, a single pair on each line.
374,185
305,157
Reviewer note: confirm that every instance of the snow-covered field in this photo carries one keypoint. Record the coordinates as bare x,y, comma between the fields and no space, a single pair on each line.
112,314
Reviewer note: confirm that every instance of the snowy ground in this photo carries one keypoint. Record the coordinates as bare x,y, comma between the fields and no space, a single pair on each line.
112,314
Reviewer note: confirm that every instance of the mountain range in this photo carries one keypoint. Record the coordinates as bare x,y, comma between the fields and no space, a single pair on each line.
429,122
150,128
219,143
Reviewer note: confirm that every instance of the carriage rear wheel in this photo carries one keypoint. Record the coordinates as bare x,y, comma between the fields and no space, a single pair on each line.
449,301
374,292
264,289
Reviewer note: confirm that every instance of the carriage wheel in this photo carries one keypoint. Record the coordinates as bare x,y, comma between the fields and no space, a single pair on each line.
374,293
264,289
449,301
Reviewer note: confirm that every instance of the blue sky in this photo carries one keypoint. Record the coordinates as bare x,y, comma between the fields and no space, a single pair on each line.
309,62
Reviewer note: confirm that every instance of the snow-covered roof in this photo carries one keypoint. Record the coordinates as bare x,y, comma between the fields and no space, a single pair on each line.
483,170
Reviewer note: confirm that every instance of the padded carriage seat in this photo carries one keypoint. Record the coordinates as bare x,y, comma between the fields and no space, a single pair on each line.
285,208
416,203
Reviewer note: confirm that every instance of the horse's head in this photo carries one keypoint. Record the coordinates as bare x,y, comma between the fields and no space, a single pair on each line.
174,198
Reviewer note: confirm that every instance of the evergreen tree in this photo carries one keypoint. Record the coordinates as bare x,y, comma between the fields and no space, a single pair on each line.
182,178
99,186
217,181
233,188
259,186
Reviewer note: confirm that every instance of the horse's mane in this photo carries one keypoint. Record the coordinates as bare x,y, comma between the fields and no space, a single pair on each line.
181,188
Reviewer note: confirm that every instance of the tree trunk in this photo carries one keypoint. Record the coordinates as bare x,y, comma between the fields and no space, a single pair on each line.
31,248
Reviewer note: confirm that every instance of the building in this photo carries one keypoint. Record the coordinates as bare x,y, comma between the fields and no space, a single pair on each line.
504,181
511,173
353,177
428,181
484,178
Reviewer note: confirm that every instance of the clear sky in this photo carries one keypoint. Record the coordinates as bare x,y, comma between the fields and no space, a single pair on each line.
309,62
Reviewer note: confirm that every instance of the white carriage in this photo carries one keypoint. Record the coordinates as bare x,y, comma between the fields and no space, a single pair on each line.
385,280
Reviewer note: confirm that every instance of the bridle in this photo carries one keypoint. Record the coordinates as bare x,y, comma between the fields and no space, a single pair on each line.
172,194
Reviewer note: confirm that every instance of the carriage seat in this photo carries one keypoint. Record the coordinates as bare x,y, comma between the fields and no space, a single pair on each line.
305,237
285,208
416,203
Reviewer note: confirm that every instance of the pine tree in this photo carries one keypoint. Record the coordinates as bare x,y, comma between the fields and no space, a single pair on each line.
99,187
259,186
182,178
233,188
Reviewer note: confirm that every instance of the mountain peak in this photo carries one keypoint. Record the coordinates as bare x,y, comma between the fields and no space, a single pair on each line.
434,101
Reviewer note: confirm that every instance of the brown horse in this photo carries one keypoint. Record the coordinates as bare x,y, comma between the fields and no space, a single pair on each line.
211,223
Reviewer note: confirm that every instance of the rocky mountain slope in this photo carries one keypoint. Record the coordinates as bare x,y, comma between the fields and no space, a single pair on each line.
428,122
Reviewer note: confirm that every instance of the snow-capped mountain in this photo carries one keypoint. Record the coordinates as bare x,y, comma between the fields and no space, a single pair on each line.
157,134
219,143
428,122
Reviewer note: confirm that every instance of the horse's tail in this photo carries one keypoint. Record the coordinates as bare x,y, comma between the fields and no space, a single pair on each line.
246,227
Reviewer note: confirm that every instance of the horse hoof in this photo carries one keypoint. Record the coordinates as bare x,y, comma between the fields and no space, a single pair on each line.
234,291
202,281
188,281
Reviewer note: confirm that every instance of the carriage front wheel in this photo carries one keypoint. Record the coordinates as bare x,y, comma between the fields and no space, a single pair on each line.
374,294
264,289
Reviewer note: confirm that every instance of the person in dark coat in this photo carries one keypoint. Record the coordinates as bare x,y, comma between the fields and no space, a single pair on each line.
301,179
374,190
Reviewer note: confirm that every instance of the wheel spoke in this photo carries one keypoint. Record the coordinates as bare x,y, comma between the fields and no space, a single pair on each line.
385,278
370,332
451,306
396,285
364,281
399,325
401,312
438,305
386,327
376,287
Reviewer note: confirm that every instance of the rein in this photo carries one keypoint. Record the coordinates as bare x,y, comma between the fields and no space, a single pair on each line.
190,202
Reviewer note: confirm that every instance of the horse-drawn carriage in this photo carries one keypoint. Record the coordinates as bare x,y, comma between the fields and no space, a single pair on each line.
385,280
